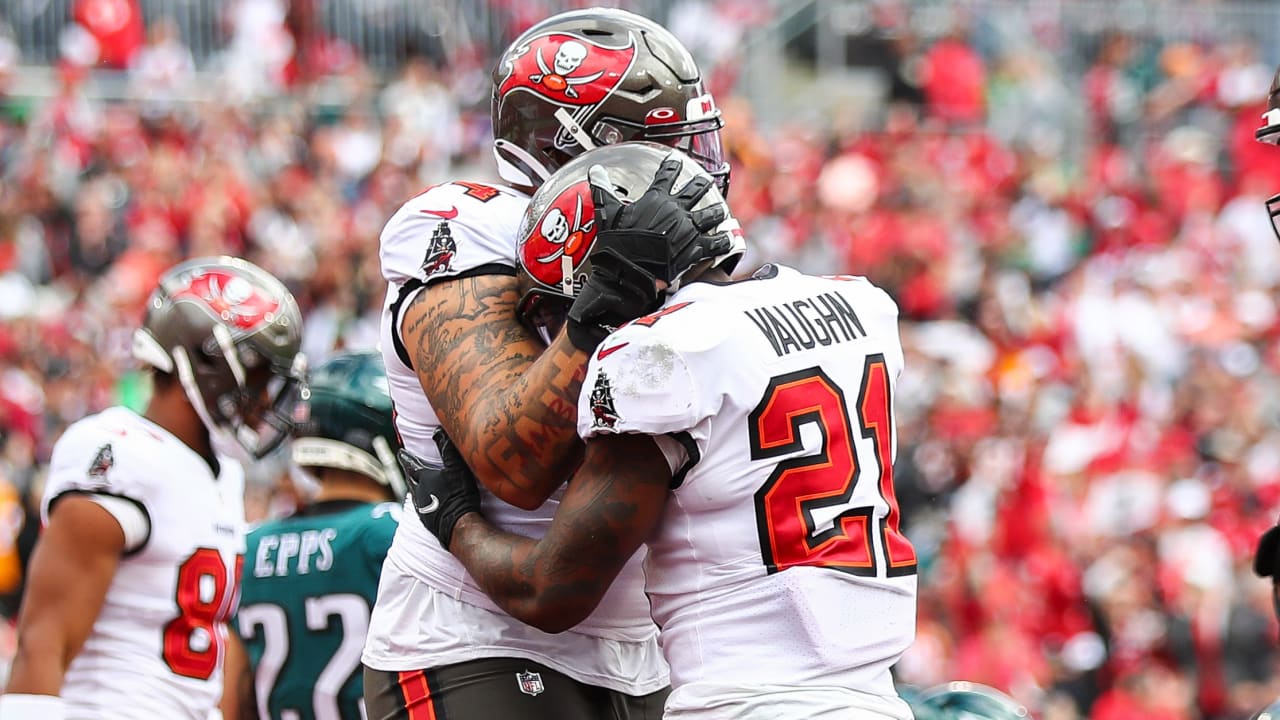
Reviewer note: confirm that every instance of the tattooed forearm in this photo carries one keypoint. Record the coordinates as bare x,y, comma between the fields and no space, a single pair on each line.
508,405
611,506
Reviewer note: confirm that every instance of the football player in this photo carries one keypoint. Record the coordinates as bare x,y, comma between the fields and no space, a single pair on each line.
1269,133
458,357
309,580
1266,561
134,576
745,433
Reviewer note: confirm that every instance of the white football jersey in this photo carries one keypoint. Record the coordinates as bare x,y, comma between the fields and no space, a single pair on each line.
448,231
778,562
157,647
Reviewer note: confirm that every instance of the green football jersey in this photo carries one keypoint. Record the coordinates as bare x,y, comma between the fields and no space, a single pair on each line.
308,584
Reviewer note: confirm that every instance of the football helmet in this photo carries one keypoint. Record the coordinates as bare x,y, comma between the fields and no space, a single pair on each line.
595,77
961,700
1269,133
347,423
230,332
1270,712
558,229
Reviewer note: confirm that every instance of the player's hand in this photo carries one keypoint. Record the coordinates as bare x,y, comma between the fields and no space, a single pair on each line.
441,495
641,249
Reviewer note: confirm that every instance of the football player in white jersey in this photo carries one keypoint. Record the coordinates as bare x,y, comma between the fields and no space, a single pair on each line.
457,357
1266,561
745,433
134,575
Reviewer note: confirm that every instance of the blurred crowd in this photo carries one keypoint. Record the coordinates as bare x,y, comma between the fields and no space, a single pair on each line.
1088,439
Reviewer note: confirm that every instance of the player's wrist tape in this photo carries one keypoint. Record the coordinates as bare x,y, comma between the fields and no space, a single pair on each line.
32,707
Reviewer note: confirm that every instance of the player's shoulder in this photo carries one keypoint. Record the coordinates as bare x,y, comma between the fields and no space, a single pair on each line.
450,228
114,451
859,287
462,199
113,436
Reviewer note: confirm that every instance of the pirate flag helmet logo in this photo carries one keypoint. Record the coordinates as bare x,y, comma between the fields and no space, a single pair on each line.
558,233
559,239
570,70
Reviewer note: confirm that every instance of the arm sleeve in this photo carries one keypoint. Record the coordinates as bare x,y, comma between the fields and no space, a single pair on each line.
132,516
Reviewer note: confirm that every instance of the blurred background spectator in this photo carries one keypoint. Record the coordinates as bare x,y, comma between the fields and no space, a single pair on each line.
1064,197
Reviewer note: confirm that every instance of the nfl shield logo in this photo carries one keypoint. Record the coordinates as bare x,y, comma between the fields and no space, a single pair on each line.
530,683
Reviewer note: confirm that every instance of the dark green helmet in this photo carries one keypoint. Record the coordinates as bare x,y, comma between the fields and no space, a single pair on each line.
962,700
348,423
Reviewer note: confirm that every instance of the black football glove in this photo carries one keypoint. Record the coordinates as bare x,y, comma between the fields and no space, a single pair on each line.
656,238
441,495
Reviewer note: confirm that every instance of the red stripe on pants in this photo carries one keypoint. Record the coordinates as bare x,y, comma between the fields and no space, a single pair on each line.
417,695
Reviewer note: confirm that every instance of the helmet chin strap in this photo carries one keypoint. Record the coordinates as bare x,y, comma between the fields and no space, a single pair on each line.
574,130
221,438
518,166
187,378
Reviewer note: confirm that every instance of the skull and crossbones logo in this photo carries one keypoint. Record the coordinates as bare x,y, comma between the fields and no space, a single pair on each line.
559,77
557,231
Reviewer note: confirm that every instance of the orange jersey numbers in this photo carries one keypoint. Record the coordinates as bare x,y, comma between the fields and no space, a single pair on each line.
804,510
483,193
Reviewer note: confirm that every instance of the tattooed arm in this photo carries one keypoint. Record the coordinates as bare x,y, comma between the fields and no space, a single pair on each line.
510,406
611,506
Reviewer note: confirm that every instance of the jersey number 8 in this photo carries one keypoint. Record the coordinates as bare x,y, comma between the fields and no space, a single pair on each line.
193,641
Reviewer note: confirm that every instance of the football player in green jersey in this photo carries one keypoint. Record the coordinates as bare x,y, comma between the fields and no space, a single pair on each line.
310,579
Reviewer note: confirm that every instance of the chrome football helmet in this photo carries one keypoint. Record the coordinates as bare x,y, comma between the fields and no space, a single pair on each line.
594,77
558,231
230,332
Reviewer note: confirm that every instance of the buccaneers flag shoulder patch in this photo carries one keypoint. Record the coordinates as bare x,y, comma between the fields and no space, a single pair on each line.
102,462
604,415
441,250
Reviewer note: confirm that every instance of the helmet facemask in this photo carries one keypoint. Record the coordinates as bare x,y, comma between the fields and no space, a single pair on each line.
239,394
